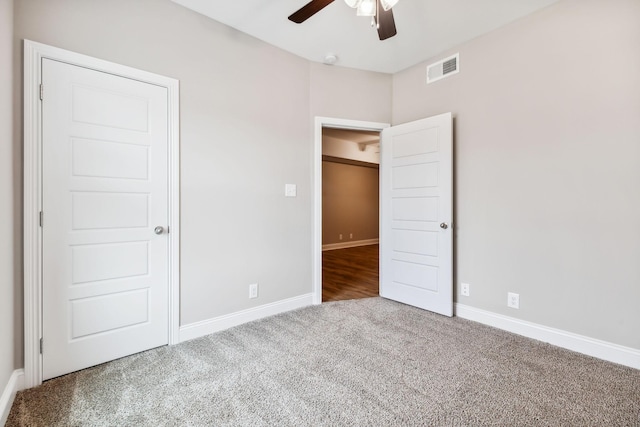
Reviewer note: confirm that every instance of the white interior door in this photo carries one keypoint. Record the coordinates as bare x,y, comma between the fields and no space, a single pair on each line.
416,236
104,167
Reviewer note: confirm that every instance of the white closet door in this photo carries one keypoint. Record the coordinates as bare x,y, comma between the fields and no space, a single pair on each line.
105,270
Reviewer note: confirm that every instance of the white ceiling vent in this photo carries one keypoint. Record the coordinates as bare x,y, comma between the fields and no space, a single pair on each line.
444,68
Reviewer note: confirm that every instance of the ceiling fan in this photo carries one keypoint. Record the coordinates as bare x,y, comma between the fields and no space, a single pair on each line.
379,10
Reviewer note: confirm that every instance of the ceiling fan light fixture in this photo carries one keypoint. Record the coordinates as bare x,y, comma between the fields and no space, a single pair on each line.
367,8
353,3
380,18
388,4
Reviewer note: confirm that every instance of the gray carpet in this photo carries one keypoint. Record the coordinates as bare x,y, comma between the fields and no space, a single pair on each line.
368,362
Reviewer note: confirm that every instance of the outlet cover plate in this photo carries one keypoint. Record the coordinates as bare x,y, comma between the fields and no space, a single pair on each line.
464,291
513,300
253,290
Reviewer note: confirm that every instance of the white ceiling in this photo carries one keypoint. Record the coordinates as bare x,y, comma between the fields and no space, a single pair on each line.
357,136
425,28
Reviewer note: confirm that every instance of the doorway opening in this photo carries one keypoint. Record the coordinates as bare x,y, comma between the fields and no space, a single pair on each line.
416,211
346,209
350,214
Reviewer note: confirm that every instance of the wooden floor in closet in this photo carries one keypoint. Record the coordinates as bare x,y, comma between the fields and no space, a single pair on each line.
350,273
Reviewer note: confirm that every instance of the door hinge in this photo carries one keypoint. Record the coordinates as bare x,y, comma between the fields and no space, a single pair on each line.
41,345
41,215
41,92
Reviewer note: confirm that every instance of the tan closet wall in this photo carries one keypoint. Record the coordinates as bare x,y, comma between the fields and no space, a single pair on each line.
350,202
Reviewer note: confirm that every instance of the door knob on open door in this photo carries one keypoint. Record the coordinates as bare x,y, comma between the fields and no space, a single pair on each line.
159,229
444,225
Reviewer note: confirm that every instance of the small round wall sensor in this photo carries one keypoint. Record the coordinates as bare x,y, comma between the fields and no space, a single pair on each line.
330,59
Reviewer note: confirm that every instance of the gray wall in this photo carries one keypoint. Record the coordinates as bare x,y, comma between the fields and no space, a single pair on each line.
246,130
7,188
350,94
350,202
547,165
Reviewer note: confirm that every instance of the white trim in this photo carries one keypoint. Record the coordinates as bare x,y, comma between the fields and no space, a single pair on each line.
316,251
210,326
351,244
33,55
14,385
590,346
173,93
32,237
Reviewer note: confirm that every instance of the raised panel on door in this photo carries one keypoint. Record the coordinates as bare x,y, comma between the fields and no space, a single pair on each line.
105,271
416,198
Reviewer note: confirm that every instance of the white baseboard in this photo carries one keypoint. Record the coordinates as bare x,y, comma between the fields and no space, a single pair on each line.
14,385
590,346
210,326
351,244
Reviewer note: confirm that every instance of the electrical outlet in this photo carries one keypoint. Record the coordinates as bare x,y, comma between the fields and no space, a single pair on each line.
340,236
253,290
513,300
464,291
351,235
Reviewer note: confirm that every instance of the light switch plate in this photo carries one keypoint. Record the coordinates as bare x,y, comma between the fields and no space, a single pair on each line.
290,190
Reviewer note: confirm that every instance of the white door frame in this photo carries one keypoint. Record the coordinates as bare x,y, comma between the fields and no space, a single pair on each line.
33,55
327,122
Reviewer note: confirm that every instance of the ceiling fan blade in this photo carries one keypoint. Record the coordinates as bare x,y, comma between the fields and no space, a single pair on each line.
385,22
308,10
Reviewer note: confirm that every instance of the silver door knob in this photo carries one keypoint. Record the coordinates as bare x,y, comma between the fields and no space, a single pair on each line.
444,226
159,229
